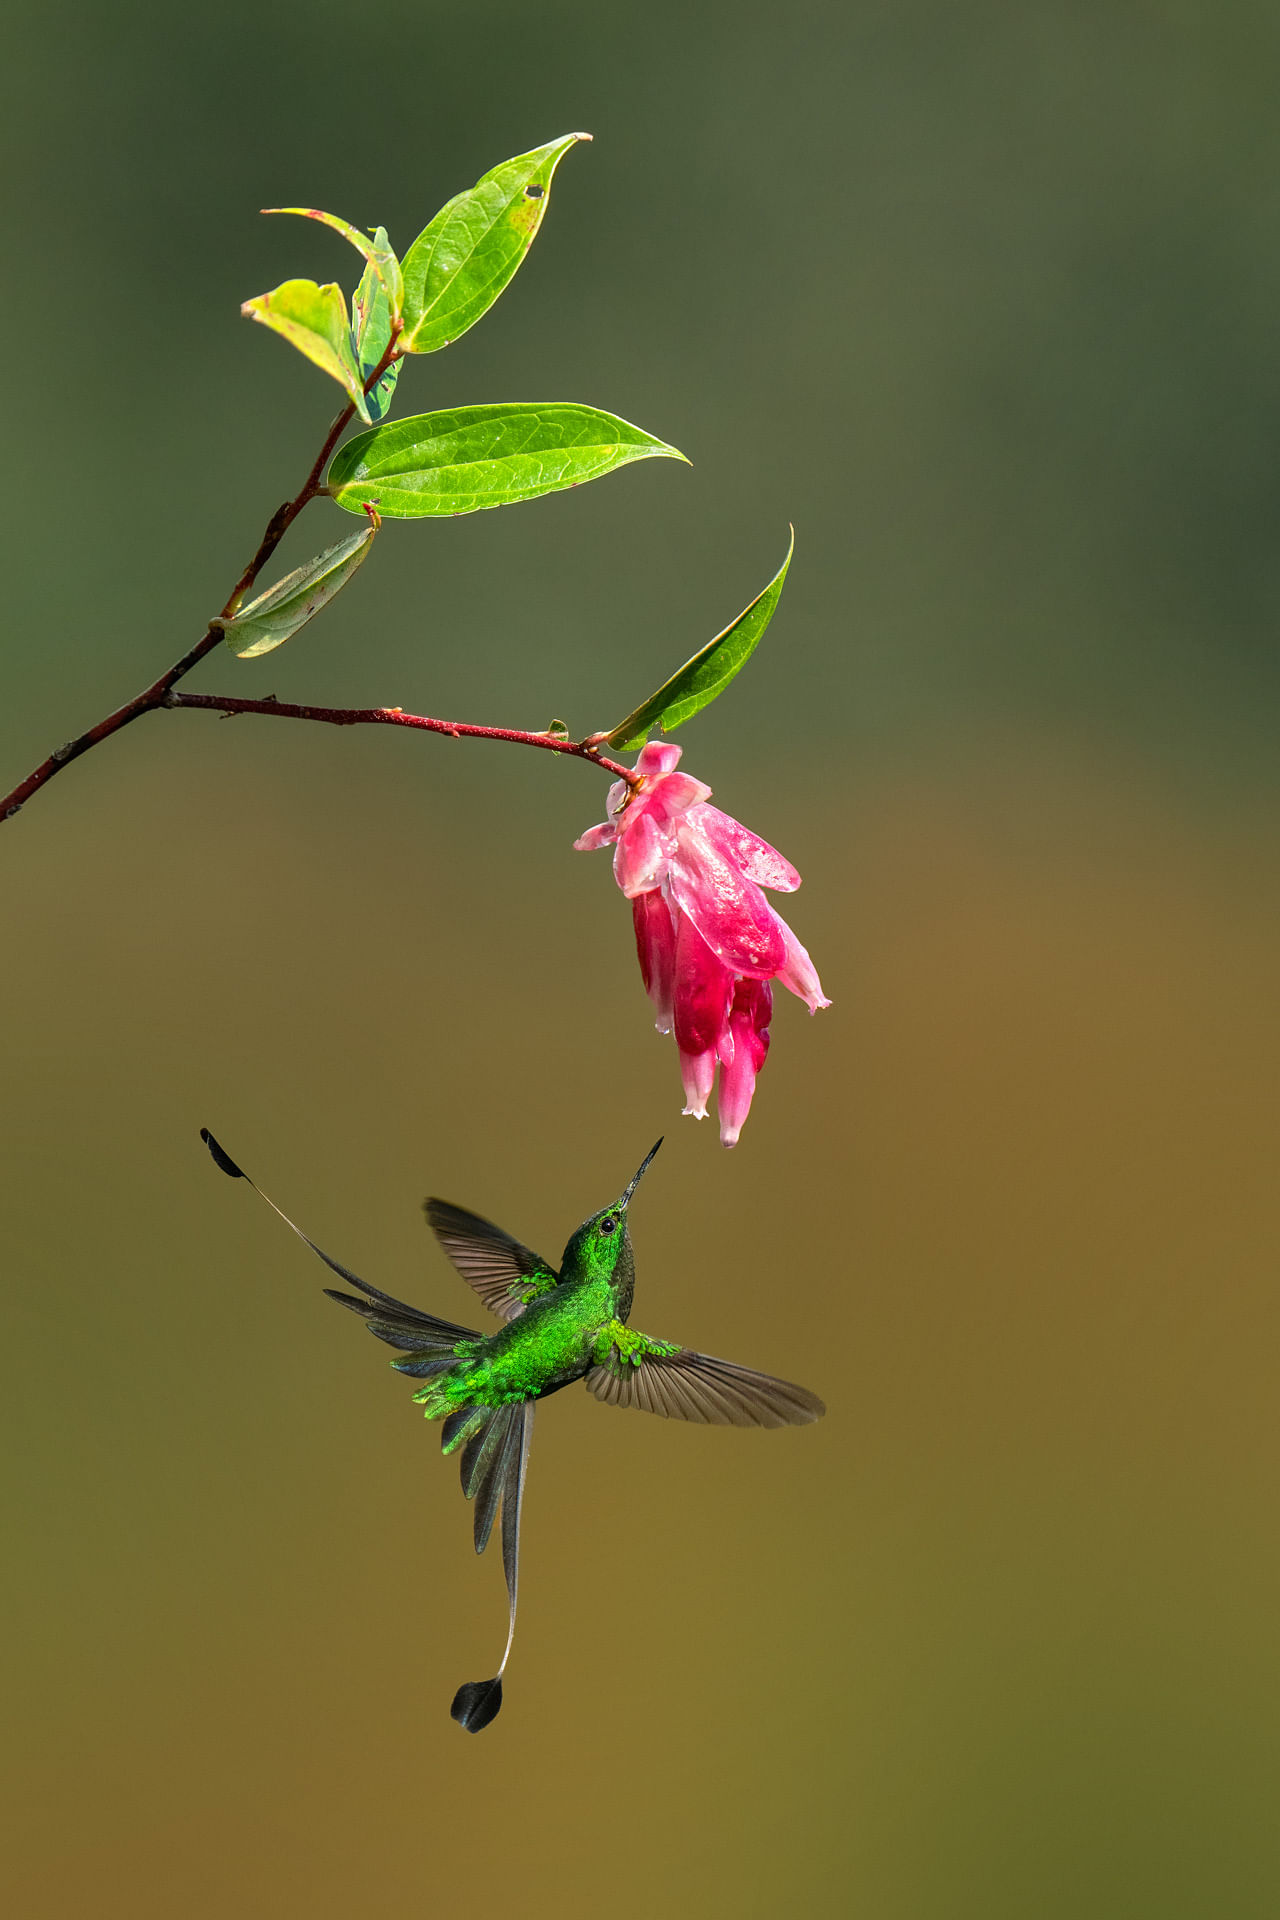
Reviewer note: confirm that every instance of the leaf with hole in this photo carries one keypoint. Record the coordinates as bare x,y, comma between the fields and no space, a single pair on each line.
276,615
314,320
701,680
467,458
457,267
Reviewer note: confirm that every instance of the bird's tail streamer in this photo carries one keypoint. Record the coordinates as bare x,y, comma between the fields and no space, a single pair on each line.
499,1467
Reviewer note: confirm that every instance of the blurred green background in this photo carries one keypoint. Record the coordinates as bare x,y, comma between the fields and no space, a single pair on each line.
985,300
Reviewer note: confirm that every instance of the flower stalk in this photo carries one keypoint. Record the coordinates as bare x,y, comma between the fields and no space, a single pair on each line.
228,705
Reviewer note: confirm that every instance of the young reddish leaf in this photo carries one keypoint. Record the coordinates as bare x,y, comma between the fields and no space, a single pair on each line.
377,251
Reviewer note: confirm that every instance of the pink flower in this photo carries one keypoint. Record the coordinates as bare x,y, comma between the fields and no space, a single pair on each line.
708,940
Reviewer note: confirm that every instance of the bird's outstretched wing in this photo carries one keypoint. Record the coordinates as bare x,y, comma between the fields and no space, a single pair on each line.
504,1274
682,1385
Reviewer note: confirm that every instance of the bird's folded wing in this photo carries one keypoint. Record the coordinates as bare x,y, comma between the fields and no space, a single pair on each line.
504,1274
684,1385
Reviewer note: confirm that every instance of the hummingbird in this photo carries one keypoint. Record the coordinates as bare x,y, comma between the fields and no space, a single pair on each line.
559,1326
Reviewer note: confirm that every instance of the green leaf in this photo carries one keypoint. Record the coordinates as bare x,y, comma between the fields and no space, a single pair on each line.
371,330
378,251
472,457
698,682
457,267
314,320
276,615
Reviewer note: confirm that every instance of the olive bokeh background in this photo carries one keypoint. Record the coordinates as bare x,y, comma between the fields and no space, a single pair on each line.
983,299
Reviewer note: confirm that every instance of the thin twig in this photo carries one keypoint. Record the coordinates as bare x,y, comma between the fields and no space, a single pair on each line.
155,695
397,717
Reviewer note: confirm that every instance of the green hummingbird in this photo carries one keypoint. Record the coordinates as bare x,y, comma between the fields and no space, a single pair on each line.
560,1326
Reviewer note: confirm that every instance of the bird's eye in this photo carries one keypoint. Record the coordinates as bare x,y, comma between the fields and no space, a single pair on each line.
609,1224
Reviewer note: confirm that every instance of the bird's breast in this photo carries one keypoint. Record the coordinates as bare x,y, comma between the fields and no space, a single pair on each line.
547,1346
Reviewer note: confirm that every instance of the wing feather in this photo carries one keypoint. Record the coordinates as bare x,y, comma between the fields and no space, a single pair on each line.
698,1387
489,1260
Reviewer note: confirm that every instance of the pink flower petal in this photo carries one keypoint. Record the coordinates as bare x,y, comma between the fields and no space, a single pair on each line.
658,756
749,1028
799,975
698,1071
671,796
596,837
640,857
703,993
748,852
656,946
660,800
729,911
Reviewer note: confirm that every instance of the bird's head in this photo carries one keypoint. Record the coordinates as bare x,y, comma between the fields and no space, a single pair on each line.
601,1247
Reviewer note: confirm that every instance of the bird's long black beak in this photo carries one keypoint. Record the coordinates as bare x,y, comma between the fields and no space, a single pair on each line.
639,1173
